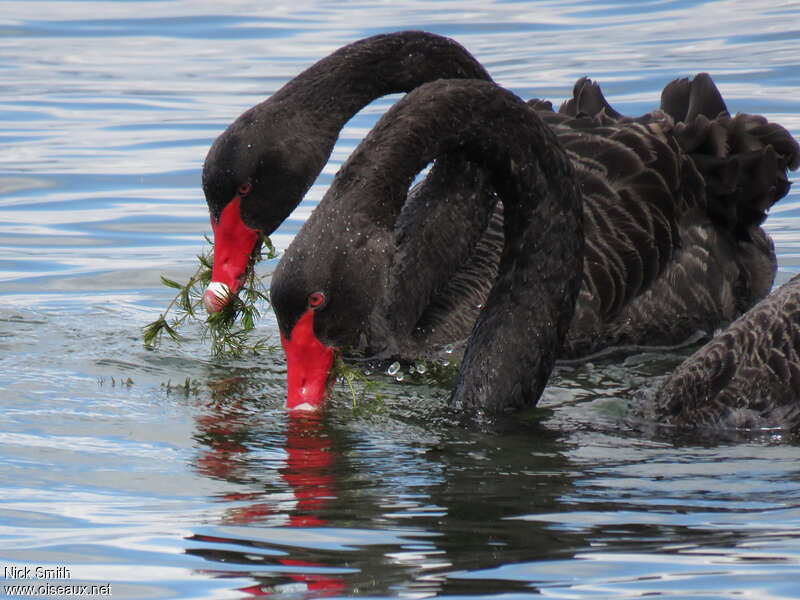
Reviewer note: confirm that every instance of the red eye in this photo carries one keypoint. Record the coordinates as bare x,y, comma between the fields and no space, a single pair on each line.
244,189
316,300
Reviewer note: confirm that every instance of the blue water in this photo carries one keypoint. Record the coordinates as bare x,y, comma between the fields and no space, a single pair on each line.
171,474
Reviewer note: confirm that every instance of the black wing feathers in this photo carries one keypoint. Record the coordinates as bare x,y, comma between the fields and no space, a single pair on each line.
643,178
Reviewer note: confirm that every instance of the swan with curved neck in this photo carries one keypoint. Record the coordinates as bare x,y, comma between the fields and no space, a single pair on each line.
749,375
258,170
336,296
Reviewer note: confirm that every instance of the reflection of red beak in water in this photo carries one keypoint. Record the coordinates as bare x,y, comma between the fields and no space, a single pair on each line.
308,466
308,471
220,431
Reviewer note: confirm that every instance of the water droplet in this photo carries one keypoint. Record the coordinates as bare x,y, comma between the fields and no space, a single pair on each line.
393,368
399,377
448,349
421,367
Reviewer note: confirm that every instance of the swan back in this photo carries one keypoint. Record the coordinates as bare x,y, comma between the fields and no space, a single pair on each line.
673,201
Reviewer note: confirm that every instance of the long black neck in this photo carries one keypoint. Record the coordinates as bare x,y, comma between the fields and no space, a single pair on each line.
306,115
335,88
519,333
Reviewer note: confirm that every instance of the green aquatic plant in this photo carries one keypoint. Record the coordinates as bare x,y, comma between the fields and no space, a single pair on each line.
346,374
190,387
227,338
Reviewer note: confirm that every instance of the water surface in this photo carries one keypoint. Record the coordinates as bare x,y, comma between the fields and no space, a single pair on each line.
172,474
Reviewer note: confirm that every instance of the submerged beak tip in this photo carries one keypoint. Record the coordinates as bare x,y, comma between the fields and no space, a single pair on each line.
304,407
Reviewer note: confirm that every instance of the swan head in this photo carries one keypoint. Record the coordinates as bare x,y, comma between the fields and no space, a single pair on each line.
254,175
326,293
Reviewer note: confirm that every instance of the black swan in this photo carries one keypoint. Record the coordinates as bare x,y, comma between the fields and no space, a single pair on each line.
335,296
258,170
340,283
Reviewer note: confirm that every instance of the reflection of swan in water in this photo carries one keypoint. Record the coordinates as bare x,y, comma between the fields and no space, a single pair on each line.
389,509
308,468
338,284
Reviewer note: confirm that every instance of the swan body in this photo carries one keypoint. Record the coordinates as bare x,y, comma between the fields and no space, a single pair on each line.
673,203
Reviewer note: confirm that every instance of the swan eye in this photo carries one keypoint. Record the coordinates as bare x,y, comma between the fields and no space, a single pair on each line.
316,300
244,189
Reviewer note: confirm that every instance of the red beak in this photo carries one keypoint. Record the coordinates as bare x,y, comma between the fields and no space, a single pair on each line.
234,243
308,364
